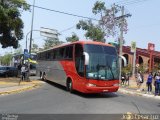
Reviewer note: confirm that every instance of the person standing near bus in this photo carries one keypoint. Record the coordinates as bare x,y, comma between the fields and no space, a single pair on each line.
23,70
157,84
139,80
149,82
27,73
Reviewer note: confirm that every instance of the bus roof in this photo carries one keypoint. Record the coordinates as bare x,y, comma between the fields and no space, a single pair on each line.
80,42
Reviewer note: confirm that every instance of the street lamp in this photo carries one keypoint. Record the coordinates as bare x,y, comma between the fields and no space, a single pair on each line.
27,37
46,32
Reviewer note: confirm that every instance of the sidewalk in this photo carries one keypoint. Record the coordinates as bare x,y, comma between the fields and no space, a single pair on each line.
133,90
11,85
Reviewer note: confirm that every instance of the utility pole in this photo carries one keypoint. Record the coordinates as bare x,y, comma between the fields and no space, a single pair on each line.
121,43
133,49
121,18
30,46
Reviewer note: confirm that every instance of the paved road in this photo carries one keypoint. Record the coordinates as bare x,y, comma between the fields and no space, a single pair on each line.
51,98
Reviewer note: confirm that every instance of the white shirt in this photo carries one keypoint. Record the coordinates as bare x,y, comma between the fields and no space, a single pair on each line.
23,69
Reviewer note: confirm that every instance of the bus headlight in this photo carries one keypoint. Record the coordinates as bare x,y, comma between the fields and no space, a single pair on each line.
91,85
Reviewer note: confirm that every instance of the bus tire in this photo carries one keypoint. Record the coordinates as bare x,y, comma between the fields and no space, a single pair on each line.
69,85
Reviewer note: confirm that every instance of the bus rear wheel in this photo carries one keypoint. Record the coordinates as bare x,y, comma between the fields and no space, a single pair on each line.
70,86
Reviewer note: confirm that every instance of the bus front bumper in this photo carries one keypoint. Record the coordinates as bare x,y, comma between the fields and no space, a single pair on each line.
101,89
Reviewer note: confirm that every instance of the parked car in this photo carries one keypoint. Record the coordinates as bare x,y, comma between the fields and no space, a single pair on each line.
8,71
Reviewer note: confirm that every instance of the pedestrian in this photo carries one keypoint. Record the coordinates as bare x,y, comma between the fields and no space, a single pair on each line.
157,84
23,70
139,80
122,79
27,73
19,69
127,79
149,82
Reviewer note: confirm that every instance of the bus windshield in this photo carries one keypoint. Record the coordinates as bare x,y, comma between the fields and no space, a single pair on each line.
103,62
33,56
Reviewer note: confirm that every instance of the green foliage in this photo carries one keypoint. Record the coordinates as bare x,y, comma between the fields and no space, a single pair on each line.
73,38
34,48
11,24
143,68
18,50
50,42
6,59
93,32
98,7
127,69
108,25
156,66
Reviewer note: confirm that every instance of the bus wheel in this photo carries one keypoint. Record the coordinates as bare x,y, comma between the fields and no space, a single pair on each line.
70,85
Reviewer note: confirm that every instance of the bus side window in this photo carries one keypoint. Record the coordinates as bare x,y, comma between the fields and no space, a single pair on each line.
79,59
54,54
48,55
68,52
61,53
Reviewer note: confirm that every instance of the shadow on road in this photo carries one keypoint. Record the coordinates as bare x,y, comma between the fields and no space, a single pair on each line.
97,95
159,105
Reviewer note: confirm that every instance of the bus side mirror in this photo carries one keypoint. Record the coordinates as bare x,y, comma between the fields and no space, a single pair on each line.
86,58
124,59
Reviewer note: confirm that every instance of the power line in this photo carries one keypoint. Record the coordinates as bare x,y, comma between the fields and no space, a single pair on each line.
67,29
127,2
135,2
66,13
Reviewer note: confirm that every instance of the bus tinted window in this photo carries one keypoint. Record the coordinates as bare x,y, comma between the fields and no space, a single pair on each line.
61,53
54,54
79,59
100,49
69,52
93,48
109,50
57,54
33,56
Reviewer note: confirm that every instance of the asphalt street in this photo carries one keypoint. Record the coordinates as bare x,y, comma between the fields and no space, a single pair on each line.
54,99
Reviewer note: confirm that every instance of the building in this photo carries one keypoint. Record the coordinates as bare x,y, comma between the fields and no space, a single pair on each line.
143,58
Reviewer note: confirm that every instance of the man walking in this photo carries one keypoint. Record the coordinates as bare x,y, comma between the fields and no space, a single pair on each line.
23,70
149,82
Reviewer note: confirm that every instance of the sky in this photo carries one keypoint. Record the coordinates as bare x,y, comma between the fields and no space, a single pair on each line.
143,25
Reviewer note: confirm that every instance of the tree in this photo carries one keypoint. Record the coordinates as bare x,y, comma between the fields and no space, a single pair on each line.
73,38
108,24
93,32
50,42
11,24
18,50
34,48
6,59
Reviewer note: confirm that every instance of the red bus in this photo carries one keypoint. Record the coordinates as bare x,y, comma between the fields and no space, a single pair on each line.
85,66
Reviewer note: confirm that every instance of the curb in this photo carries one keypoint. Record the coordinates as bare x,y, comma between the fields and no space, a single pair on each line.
20,89
138,94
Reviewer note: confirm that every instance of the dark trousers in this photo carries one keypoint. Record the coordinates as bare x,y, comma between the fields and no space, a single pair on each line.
23,75
149,85
157,89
